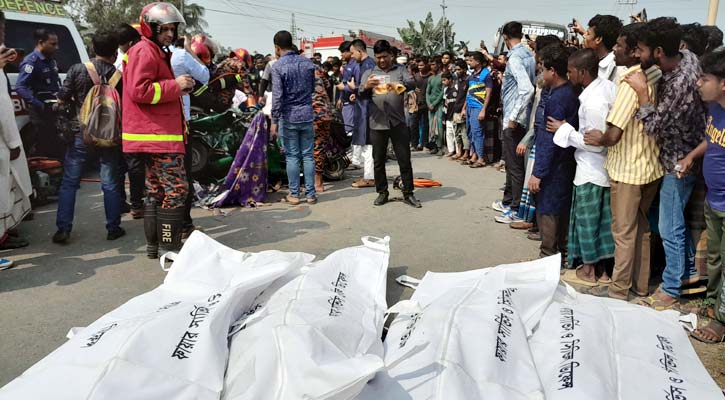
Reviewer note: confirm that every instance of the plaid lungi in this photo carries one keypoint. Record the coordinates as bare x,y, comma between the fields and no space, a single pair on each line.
527,205
590,226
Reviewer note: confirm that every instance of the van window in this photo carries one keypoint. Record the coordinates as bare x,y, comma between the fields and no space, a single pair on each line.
19,35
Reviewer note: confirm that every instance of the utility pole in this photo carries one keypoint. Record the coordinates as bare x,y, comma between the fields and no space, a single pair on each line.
712,12
294,30
445,25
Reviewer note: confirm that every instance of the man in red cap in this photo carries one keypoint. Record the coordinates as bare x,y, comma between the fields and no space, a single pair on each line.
153,124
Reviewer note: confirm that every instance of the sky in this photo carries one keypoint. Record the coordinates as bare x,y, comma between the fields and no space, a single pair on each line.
252,24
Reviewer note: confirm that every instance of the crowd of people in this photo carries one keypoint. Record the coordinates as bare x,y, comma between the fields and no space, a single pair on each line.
600,142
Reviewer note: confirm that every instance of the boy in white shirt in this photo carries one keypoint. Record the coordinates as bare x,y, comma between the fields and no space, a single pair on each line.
590,234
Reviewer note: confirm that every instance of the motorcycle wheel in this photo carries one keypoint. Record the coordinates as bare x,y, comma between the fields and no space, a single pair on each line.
335,169
199,156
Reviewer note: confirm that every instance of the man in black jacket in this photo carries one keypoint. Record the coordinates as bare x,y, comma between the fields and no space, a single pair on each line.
76,86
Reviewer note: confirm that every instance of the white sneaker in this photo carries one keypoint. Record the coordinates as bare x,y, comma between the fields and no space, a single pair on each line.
500,207
508,217
5,263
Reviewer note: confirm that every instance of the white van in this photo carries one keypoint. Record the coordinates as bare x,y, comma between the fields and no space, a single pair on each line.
22,18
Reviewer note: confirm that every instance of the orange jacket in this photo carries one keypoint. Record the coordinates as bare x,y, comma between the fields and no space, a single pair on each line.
153,118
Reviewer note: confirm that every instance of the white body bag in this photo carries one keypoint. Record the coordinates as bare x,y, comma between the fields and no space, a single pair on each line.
603,349
316,334
464,335
169,343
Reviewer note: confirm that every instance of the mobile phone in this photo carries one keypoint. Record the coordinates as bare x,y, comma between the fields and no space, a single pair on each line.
14,53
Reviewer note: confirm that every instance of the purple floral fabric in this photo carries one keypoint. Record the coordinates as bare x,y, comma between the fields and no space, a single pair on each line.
246,182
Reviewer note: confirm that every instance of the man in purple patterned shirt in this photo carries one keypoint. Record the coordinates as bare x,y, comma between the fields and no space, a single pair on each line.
293,82
676,119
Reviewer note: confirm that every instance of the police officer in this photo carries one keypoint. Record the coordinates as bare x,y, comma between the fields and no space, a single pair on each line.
37,83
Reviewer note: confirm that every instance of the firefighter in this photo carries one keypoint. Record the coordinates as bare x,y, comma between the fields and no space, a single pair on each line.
153,123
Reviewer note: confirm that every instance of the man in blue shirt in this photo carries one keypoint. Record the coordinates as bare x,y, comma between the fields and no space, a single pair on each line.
477,99
293,82
553,176
362,146
347,97
185,62
37,83
517,93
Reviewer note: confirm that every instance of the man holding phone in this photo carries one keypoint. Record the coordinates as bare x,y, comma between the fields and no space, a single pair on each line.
153,123
517,94
385,86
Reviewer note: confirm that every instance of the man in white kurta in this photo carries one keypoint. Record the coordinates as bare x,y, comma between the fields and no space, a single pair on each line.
590,235
15,186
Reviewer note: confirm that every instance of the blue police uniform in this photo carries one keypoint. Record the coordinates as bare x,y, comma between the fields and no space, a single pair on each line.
37,80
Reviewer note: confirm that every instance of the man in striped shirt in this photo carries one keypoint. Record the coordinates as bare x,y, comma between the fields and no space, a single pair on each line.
634,172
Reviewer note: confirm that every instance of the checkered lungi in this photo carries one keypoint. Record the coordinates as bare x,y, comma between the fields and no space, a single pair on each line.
590,226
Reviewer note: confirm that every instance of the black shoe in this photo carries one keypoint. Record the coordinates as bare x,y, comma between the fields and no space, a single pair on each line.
125,208
382,198
412,201
115,234
61,237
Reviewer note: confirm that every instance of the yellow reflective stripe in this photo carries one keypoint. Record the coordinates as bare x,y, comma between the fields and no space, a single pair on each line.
239,78
151,137
201,90
157,93
223,84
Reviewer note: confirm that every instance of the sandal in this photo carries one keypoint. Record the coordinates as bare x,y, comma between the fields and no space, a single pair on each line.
535,236
607,281
714,328
694,290
477,165
570,276
655,303
707,311
292,200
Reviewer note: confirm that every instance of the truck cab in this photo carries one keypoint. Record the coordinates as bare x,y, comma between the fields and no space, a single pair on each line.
22,18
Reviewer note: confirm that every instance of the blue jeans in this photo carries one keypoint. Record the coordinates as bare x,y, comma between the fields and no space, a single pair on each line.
299,142
475,130
676,238
75,159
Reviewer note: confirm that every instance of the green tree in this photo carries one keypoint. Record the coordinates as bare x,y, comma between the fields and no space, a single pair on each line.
428,37
92,15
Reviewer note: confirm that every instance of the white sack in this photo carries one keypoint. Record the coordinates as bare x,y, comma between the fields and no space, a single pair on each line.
469,339
316,334
170,343
602,349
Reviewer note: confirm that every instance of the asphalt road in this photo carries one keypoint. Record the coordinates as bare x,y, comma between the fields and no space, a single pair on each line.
54,288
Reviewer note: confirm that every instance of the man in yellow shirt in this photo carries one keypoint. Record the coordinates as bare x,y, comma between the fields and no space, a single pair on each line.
634,172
